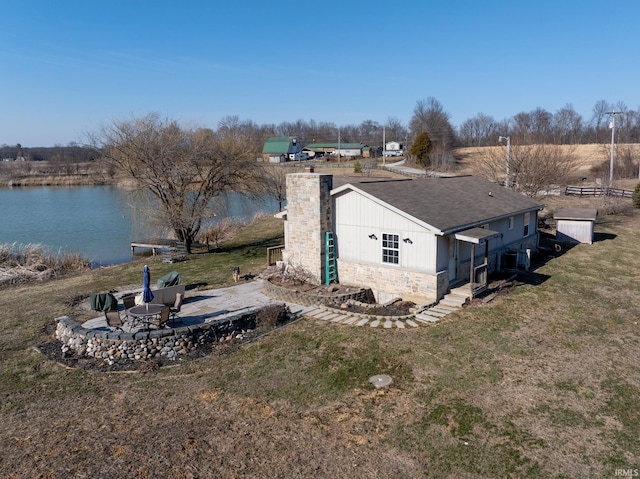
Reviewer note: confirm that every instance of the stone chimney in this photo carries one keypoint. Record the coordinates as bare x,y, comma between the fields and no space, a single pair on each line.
309,217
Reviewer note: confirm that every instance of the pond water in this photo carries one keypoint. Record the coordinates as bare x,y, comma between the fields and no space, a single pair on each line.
100,222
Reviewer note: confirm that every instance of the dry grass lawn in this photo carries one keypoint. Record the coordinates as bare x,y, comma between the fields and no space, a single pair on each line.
588,157
541,382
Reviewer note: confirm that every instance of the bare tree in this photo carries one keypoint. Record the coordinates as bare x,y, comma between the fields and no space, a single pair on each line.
533,168
600,110
273,182
626,164
251,135
185,170
396,131
429,116
533,127
370,133
567,125
478,131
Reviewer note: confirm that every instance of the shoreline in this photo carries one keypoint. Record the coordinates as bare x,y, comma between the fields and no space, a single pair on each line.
71,180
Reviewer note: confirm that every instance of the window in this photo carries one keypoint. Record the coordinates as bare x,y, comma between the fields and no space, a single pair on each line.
510,222
390,248
525,231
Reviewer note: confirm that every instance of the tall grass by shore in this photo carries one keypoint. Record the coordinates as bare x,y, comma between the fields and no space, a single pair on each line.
23,263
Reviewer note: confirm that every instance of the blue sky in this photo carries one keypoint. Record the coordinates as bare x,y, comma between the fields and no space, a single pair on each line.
67,67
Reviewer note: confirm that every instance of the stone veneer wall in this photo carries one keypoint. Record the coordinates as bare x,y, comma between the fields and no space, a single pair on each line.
309,298
387,280
309,217
167,344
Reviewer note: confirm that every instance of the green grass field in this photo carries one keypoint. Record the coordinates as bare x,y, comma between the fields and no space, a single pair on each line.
543,381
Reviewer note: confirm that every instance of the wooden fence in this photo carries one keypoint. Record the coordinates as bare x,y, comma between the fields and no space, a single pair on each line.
597,191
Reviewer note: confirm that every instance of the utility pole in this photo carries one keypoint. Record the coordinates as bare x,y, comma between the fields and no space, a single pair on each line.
508,140
338,145
384,147
612,125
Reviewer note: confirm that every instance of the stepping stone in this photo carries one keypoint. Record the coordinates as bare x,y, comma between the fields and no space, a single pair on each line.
424,318
444,309
362,322
326,315
375,323
399,324
338,319
350,320
411,323
433,313
388,324
310,309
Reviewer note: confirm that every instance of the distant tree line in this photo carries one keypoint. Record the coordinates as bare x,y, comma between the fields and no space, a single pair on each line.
563,127
72,152
539,126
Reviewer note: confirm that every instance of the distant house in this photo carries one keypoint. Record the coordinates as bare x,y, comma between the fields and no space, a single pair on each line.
279,149
335,149
409,238
393,148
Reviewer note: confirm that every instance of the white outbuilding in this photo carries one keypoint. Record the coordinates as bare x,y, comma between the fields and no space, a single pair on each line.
575,225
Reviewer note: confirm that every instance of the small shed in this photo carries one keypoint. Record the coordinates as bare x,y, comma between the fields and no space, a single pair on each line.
575,225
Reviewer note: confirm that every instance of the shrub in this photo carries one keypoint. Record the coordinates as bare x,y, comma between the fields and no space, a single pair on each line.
272,316
357,167
421,147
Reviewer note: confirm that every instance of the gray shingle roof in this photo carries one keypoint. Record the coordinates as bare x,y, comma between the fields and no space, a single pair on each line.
447,204
588,214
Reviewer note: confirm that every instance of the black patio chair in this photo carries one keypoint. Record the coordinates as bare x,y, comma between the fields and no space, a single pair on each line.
175,309
161,321
114,320
129,301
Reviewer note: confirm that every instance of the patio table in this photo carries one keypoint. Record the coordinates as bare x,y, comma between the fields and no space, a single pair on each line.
145,312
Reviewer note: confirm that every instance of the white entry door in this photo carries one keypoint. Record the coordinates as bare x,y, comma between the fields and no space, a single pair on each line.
454,249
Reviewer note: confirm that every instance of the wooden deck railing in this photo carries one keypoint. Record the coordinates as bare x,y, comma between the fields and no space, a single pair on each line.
274,254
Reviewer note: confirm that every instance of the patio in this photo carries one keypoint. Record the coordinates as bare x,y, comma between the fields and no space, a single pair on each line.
207,306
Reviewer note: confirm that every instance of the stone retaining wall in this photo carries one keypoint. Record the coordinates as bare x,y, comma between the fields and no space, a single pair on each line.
309,298
167,344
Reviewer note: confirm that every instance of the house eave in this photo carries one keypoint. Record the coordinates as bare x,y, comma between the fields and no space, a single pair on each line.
476,235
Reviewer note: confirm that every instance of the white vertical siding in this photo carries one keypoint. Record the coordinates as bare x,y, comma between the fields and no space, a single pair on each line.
357,217
575,231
